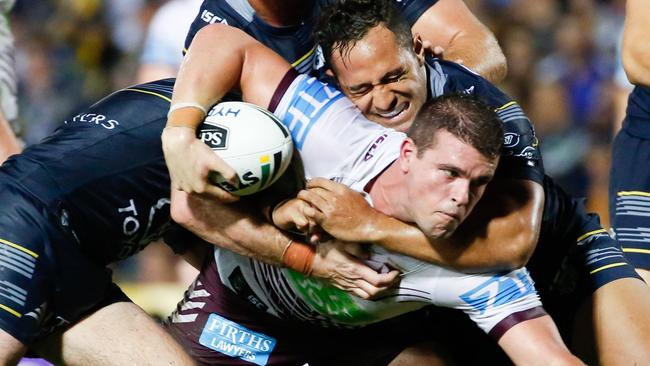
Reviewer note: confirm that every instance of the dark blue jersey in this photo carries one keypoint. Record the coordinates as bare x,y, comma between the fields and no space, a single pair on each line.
637,119
294,44
520,158
103,172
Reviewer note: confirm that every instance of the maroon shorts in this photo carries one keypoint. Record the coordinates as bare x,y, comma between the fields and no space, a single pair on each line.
218,327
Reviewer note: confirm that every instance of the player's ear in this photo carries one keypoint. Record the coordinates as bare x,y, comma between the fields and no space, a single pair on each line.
418,48
407,154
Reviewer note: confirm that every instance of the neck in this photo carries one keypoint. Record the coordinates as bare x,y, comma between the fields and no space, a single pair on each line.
388,193
281,13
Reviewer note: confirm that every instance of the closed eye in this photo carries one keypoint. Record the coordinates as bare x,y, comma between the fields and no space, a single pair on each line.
357,91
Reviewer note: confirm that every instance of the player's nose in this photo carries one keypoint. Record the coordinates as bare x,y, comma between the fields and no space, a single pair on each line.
460,194
383,100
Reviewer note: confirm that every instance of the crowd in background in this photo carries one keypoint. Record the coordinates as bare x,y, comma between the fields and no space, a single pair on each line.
563,68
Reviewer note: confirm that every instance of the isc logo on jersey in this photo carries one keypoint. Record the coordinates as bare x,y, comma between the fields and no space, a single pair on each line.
252,140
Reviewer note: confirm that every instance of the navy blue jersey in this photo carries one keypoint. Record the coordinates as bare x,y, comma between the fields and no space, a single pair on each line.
629,180
637,119
294,44
520,157
103,172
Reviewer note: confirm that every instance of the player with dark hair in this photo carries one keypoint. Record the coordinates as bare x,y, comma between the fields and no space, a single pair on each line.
356,41
406,80
285,26
434,183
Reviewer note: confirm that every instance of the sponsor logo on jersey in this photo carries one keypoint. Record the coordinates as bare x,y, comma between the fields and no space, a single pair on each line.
94,119
141,226
371,150
232,339
499,290
211,18
242,288
216,137
528,152
328,300
510,139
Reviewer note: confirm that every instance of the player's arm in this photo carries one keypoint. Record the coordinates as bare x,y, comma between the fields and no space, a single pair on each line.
209,71
636,42
233,227
9,143
501,233
452,26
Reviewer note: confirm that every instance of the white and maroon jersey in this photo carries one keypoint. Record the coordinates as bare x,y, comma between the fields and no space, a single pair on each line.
335,141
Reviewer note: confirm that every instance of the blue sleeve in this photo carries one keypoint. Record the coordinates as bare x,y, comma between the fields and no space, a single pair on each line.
411,10
520,158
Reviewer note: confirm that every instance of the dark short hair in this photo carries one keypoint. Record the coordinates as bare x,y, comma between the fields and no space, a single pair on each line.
341,25
464,116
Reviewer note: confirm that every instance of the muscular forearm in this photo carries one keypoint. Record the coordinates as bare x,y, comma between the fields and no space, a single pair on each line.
481,54
451,25
211,69
501,233
229,227
636,42
233,228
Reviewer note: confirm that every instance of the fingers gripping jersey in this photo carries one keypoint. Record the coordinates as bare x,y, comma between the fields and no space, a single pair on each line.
294,44
520,158
103,172
336,141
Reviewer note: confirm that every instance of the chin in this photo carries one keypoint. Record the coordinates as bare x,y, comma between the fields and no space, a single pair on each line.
437,233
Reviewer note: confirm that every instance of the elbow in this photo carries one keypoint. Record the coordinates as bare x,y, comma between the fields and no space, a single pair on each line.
179,208
179,215
496,67
636,63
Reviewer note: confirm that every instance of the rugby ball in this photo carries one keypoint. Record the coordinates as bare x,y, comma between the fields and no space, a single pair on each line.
251,140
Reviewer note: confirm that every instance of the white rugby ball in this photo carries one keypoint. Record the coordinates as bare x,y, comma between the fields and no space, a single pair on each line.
251,140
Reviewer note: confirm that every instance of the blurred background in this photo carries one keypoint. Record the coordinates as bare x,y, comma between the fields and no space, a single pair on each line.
563,61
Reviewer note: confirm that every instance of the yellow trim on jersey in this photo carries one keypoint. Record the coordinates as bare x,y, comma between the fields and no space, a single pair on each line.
298,61
10,310
150,92
607,267
506,105
636,250
21,248
584,236
633,193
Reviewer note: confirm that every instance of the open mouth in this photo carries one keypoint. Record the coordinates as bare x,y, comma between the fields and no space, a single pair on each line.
395,112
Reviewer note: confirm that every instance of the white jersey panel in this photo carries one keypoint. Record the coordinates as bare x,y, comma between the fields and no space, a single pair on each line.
334,139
